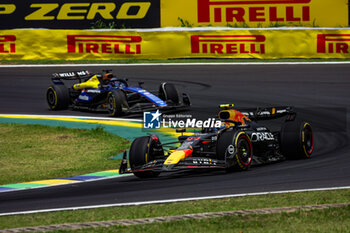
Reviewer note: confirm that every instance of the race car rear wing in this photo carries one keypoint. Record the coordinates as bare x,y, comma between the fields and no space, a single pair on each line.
269,113
73,75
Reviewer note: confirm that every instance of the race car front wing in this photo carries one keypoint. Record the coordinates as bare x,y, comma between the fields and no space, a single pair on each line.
187,163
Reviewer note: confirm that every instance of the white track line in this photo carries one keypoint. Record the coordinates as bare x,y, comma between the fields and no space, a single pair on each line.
172,200
179,64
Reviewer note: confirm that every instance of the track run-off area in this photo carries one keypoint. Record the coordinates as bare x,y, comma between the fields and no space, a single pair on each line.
319,91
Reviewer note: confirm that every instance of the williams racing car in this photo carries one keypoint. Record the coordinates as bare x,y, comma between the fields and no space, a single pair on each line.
239,142
104,92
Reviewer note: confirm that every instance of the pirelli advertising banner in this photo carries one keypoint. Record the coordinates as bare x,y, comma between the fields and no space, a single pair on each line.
83,14
255,13
161,44
89,14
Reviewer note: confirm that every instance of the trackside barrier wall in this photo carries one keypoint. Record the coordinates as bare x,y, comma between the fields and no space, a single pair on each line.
164,44
82,14
87,14
255,13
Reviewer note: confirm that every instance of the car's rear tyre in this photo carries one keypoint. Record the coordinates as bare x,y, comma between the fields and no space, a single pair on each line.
296,140
143,150
236,149
57,97
168,91
116,101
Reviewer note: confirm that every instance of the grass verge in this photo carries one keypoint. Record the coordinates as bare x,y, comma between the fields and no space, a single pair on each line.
328,220
229,204
184,60
34,152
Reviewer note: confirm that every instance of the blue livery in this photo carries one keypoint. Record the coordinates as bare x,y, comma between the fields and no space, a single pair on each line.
104,92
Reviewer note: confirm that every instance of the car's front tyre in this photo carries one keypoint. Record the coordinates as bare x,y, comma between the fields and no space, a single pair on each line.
143,150
236,149
168,91
116,100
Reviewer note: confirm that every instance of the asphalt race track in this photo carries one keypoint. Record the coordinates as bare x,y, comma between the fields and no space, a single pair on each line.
320,92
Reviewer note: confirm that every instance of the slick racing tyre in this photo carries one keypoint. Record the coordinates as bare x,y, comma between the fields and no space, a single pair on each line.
143,150
297,140
57,97
236,149
116,101
168,91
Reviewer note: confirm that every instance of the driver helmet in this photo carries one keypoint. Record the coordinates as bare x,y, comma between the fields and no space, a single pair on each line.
114,82
107,76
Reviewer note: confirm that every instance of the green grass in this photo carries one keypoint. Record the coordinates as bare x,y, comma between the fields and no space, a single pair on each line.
328,220
35,152
189,60
146,211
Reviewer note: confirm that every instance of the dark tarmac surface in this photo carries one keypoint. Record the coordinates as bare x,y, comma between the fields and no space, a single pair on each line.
319,92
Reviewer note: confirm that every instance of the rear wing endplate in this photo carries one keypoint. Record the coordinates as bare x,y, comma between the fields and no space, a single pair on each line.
72,74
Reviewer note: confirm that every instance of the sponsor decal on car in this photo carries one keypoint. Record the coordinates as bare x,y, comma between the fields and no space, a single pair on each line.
144,92
260,136
7,44
93,91
203,161
72,74
228,44
231,149
84,98
104,44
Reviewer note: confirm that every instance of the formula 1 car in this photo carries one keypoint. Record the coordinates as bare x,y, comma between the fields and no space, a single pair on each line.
104,92
238,143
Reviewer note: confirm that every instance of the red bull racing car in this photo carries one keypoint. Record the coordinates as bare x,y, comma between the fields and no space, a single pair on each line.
241,141
103,92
